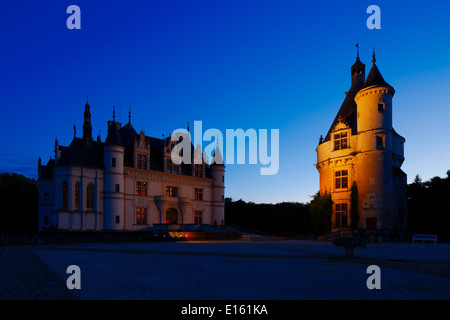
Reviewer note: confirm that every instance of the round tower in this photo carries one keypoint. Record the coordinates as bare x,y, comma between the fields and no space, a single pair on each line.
374,161
218,188
113,181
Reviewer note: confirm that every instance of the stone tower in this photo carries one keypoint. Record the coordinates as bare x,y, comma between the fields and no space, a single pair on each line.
362,146
218,188
113,180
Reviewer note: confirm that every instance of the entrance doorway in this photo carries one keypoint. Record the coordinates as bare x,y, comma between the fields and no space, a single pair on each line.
171,216
371,223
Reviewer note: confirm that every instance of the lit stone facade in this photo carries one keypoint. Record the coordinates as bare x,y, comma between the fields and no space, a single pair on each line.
126,183
362,146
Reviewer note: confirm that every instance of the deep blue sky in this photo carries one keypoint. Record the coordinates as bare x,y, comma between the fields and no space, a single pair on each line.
261,64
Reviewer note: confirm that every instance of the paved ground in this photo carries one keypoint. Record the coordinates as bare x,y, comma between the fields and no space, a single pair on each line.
238,270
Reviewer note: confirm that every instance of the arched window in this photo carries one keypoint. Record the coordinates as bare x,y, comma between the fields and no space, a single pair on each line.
77,195
65,195
90,196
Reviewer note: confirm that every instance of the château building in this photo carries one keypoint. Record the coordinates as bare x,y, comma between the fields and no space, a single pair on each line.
362,147
126,183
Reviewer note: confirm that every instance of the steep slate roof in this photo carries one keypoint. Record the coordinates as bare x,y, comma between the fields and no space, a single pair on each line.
89,154
218,156
113,138
46,172
81,153
374,78
347,111
128,136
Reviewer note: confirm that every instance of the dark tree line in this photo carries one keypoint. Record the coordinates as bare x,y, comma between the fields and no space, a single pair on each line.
429,206
18,202
285,217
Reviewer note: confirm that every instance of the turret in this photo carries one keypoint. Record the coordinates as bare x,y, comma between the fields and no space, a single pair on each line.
113,188
358,71
218,188
375,144
87,126
374,102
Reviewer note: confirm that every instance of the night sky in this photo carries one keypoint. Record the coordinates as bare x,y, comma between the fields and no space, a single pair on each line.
261,64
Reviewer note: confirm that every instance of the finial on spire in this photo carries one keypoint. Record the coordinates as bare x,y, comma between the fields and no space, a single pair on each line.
129,114
74,131
357,49
114,113
373,56
87,99
187,125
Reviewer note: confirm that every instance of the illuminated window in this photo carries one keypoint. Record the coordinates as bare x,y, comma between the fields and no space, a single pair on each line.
90,196
142,161
341,214
198,195
171,192
340,141
65,195
141,188
198,217
341,179
141,215
77,195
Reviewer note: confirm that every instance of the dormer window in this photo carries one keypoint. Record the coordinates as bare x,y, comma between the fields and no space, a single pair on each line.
172,168
340,141
199,171
142,161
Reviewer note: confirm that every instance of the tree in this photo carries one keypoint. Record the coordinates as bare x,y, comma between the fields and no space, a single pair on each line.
354,210
321,211
281,218
18,202
428,206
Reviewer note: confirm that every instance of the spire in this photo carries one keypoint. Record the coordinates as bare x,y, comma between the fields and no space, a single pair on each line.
87,126
358,70
217,159
374,78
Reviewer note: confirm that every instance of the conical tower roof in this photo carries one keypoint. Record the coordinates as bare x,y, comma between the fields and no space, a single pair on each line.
374,78
113,138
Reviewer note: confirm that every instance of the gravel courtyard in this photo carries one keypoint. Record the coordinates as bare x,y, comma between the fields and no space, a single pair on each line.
232,270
